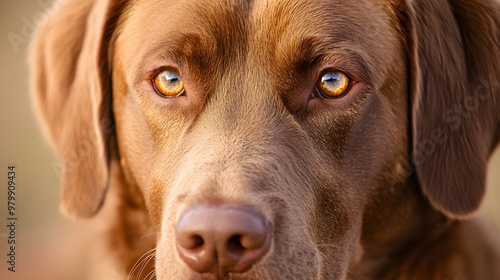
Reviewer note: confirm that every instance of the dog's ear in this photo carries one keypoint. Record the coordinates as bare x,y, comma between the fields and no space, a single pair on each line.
72,92
454,53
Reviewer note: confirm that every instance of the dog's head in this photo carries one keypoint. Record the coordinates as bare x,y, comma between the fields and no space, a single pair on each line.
272,139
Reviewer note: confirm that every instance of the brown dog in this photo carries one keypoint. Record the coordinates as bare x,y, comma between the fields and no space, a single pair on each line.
285,139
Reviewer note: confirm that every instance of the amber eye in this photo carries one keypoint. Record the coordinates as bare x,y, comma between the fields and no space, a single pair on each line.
168,83
333,84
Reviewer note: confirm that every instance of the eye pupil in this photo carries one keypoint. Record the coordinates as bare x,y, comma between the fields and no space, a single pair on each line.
334,84
168,83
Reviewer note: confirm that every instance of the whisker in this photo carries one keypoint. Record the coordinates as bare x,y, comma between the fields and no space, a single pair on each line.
329,245
148,235
357,276
335,246
143,266
151,275
139,262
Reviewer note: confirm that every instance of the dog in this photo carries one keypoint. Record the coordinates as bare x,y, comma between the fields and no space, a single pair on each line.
287,139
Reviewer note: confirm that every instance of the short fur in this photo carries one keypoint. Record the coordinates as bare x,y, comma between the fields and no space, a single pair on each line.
375,185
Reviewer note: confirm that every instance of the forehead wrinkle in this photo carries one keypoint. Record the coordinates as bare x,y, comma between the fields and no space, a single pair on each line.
189,49
312,51
217,30
282,25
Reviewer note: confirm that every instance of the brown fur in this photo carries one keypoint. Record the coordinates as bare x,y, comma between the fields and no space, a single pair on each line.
369,186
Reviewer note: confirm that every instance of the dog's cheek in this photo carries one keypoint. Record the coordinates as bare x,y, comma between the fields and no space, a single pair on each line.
378,139
131,133
147,141
368,142
359,146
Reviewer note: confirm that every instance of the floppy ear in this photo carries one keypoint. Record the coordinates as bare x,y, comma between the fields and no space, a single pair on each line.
454,49
72,92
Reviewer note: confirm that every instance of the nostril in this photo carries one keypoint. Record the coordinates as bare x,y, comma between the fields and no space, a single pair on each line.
195,251
240,243
234,245
254,240
195,242
190,241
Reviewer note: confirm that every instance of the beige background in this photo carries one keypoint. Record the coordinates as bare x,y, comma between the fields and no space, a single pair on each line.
21,142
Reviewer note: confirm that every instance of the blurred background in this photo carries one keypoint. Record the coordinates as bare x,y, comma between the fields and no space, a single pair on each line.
22,144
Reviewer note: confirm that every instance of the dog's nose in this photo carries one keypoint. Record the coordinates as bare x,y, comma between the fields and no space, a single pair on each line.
219,240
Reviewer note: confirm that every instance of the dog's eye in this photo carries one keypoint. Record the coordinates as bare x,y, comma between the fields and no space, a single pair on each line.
168,83
333,84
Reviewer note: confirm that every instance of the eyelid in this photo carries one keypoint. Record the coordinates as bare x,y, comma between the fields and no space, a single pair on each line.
157,70
159,64
352,62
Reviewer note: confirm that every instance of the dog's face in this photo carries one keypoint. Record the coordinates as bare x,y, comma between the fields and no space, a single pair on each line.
257,122
269,139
